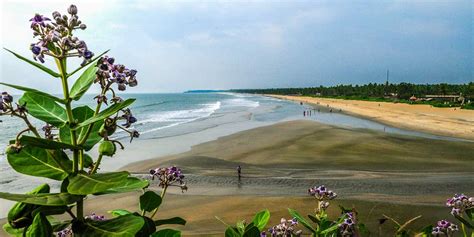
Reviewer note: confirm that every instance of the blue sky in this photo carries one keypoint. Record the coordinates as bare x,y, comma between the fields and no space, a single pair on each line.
181,45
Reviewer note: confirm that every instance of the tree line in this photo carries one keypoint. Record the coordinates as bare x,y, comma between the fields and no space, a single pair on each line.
373,90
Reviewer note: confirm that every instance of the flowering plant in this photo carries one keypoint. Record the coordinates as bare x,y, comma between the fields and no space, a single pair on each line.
69,133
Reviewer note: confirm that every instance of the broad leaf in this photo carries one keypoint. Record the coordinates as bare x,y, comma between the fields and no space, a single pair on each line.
106,113
147,229
231,232
149,201
261,219
252,232
301,220
167,233
20,215
171,221
38,65
122,226
22,88
81,114
44,108
50,210
84,184
45,143
43,199
83,83
130,185
39,162
12,231
85,65
119,212
40,227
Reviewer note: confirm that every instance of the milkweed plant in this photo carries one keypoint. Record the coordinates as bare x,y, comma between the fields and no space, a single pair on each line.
59,149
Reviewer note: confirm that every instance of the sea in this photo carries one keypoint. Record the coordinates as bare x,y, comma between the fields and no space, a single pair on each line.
180,115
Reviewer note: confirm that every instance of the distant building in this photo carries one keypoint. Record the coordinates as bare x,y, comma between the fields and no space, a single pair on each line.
413,98
446,98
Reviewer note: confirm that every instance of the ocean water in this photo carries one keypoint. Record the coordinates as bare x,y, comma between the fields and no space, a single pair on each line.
173,116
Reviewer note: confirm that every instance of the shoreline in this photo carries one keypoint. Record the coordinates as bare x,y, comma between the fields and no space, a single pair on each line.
423,118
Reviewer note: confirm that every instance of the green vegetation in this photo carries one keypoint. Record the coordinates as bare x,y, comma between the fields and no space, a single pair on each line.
387,92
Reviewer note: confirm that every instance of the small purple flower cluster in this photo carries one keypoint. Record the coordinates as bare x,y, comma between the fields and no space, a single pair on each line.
459,203
128,117
110,73
5,103
67,232
284,229
347,226
95,217
322,193
171,176
444,228
55,37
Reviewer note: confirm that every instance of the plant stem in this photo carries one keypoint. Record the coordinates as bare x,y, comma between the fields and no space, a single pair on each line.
96,165
163,192
61,63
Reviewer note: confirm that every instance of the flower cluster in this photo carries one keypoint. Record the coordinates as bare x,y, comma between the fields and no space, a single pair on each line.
95,217
109,73
5,102
171,176
459,203
55,38
347,226
284,229
67,232
444,228
322,193
128,117
47,129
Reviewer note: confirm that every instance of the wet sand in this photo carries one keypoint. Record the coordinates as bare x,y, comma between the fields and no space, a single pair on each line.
375,172
454,122
397,175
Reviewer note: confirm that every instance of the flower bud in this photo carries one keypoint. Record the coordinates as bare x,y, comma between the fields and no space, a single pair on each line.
82,26
107,148
56,14
6,97
72,9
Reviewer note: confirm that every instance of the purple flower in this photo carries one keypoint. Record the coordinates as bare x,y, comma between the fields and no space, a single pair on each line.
110,73
67,232
39,20
284,229
171,176
95,217
322,193
346,228
459,203
444,228
6,98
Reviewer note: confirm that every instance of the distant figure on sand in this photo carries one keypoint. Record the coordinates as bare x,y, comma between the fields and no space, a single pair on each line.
301,103
304,113
239,171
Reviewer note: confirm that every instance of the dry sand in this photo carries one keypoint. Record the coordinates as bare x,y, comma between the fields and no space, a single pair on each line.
452,122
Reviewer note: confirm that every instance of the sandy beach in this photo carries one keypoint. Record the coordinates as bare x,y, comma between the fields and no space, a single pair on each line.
376,172
452,122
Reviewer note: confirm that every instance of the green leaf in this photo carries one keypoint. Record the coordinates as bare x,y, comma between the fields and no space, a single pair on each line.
88,161
85,65
167,233
83,83
119,212
44,108
12,231
130,185
83,184
106,113
38,162
81,114
149,201
261,219
122,226
171,221
38,65
22,88
42,199
45,143
301,220
40,227
50,210
147,229
252,232
231,232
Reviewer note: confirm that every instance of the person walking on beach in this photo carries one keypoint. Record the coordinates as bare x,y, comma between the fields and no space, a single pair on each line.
304,113
239,171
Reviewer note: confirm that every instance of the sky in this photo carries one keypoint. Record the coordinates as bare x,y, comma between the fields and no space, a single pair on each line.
183,45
